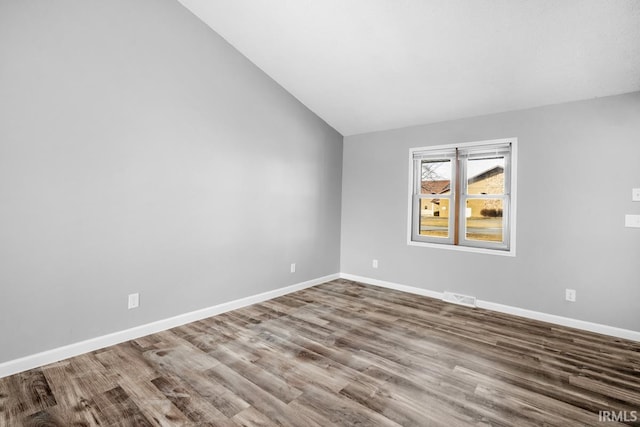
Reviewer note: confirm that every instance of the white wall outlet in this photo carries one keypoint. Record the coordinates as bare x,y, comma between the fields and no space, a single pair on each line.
635,194
374,264
632,221
570,295
134,300
293,267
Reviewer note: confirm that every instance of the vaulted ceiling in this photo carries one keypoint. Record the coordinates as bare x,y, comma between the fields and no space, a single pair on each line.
367,65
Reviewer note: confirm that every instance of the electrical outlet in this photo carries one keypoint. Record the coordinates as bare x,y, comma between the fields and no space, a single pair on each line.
570,295
374,264
134,300
635,194
293,267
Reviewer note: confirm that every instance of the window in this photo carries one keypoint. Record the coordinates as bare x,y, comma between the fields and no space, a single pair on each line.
463,196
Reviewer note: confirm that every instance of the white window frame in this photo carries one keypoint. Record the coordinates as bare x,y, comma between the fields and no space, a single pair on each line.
505,248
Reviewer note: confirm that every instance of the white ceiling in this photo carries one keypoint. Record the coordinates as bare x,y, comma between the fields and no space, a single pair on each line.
367,65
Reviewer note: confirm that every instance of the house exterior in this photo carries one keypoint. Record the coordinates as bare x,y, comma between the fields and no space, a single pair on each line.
435,207
488,182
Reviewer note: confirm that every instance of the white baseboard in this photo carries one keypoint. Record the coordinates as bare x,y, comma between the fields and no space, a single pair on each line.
391,285
516,311
54,355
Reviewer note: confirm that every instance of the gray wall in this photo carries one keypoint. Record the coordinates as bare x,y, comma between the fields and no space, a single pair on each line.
139,152
577,164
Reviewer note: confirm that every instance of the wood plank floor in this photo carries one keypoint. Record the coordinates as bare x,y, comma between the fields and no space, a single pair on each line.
341,353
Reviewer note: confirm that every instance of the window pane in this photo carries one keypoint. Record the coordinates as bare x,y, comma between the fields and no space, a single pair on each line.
485,176
434,217
484,220
435,177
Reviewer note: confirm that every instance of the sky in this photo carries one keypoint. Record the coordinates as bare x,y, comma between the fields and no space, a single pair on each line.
474,167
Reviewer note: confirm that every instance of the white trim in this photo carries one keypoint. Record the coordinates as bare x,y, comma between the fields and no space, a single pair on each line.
560,320
460,248
391,285
461,144
512,205
54,355
516,311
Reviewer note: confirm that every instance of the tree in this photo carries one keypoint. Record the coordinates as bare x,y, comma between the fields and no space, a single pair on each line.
430,171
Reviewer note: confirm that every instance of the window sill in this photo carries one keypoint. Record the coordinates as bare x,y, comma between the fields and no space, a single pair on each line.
511,252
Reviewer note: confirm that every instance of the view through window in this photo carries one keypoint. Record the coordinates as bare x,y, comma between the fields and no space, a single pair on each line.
461,195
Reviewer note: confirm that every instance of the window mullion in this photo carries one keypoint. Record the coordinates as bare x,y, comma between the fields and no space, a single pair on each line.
456,199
